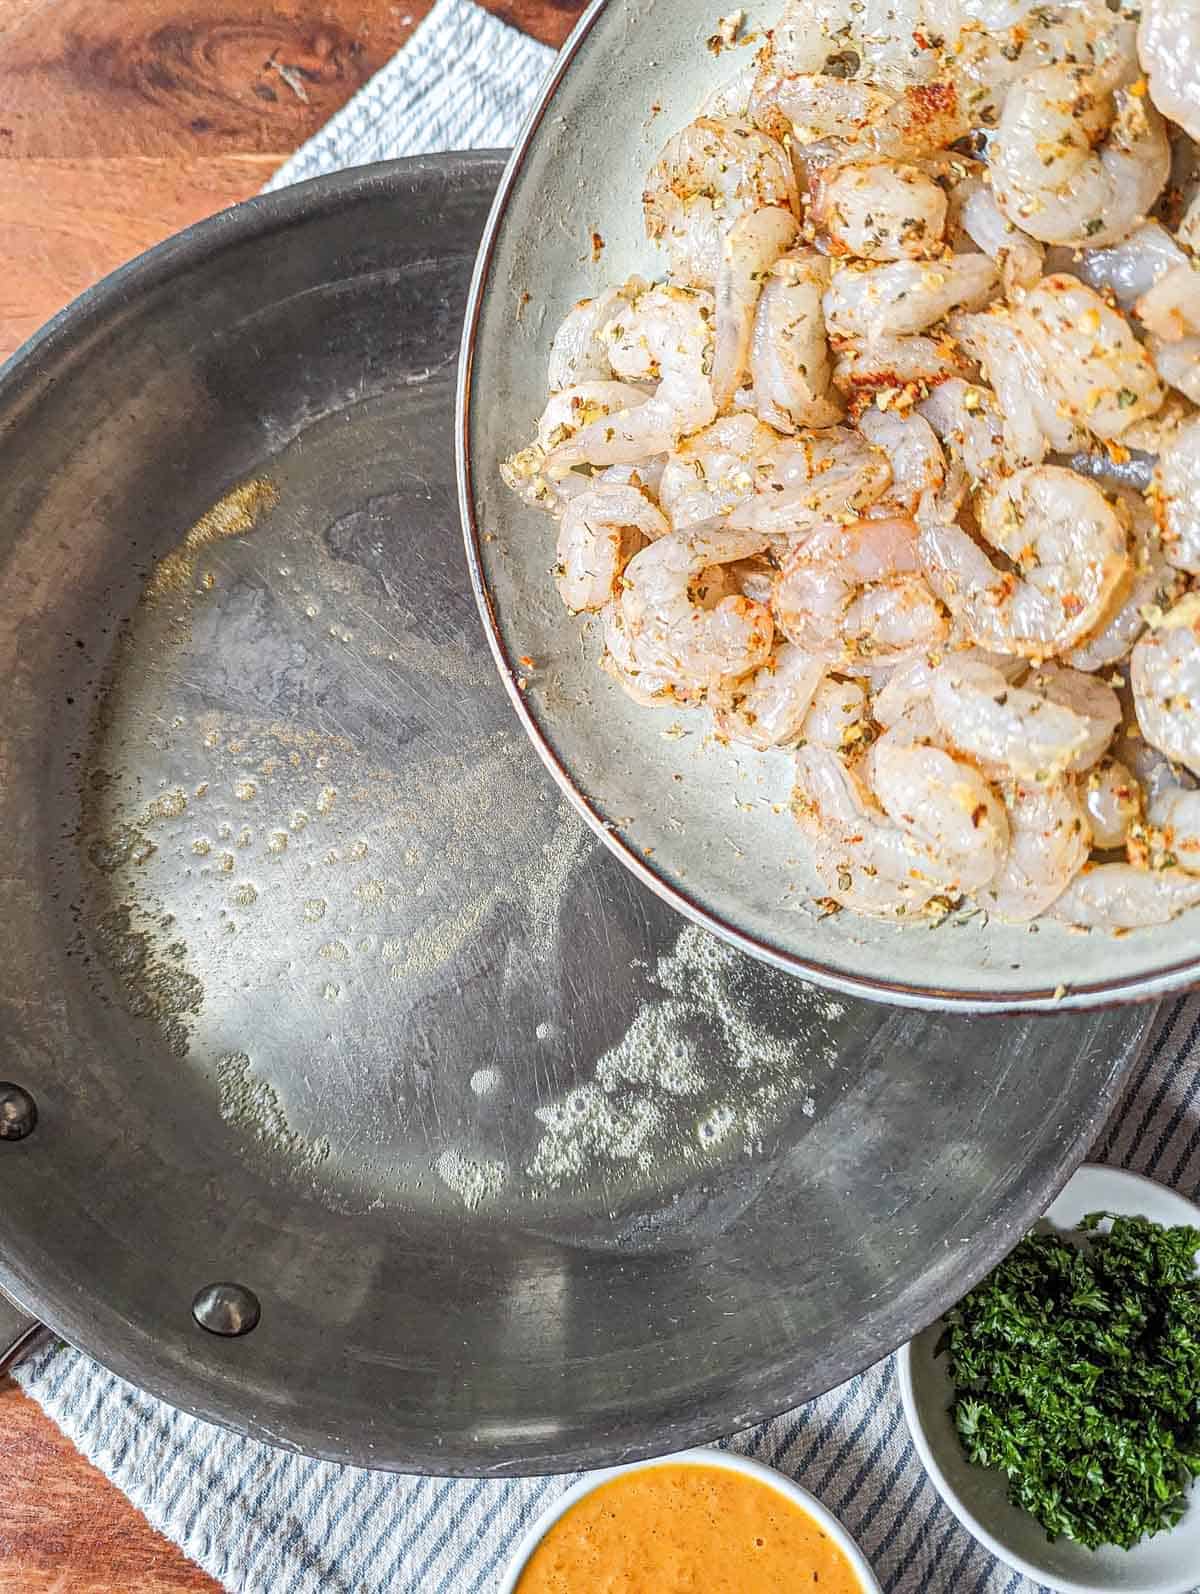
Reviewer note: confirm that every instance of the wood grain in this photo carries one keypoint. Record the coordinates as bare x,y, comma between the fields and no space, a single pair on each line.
65,1529
120,122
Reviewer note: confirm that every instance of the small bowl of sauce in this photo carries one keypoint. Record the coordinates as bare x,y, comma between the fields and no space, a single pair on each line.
705,1521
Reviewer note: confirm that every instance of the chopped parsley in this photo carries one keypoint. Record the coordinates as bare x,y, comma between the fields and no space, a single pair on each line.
1077,1374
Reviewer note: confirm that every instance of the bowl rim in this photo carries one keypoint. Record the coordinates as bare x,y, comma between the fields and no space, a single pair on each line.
1121,1178
723,1460
1151,985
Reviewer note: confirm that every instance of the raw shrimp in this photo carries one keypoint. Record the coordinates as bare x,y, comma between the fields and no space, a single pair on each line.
837,715
967,418
1050,178
1169,49
768,708
1027,731
666,337
1032,422
807,479
942,801
905,124
1001,45
905,296
1174,813
1113,800
880,210
914,453
789,353
911,683
599,532
1178,364
749,249
1048,845
710,174
1117,896
1018,255
872,36
621,661
578,352
1101,375
1133,265
866,861
677,632
1152,582
890,365
1069,549
1175,494
1170,313
567,413
1165,674
714,469
855,592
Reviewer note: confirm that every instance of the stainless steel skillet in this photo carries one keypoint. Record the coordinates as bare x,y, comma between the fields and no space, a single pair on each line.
320,990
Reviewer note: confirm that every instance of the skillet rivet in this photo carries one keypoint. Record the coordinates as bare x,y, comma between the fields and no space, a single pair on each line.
226,1309
18,1112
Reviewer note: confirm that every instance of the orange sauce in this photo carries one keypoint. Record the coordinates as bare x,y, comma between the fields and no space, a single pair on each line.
685,1528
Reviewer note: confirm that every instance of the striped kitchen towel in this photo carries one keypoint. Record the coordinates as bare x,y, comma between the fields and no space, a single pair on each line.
265,1522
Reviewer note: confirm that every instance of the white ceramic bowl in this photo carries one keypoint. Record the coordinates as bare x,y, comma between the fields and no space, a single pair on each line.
700,1458
1166,1564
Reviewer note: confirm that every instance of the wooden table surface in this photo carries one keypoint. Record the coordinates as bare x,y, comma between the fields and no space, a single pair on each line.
120,122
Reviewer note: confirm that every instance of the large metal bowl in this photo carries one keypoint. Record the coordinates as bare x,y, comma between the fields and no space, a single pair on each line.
705,827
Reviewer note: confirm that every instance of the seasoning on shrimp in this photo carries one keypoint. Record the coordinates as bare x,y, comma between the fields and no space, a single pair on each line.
890,463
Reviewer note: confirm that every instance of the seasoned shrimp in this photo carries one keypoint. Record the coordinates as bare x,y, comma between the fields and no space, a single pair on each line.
1048,845
833,36
599,533
915,455
1152,583
888,365
1117,896
866,861
880,210
1170,308
578,352
1032,422
789,352
968,420
1103,378
837,715
684,626
807,479
749,250
714,469
1069,548
568,412
905,124
1168,45
905,296
1131,266
1075,159
1002,44
666,338
1175,494
1019,256
942,801
1165,674
1174,814
851,593
1028,731
709,175
1113,800
768,708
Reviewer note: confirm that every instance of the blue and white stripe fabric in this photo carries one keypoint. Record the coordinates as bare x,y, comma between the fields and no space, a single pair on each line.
264,1522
